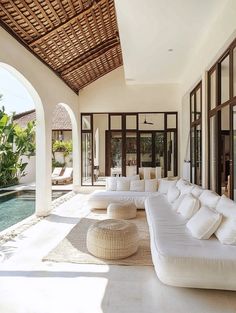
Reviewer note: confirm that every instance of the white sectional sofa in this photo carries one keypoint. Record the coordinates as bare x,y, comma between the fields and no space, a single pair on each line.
100,199
179,258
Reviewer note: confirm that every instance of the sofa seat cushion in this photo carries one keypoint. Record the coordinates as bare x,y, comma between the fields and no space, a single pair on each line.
182,260
100,199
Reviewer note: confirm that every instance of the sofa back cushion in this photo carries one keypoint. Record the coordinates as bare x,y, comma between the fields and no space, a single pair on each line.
111,183
188,206
209,198
204,223
226,206
197,191
175,204
137,185
123,184
151,185
173,194
165,184
226,232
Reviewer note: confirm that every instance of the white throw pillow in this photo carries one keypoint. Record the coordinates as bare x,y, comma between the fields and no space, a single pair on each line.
180,182
123,184
209,198
226,233
197,191
134,177
175,205
111,183
186,189
173,194
146,173
137,185
188,206
164,185
151,185
204,223
227,207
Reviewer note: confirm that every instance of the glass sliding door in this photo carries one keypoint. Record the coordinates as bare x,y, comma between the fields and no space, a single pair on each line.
198,146
87,158
100,126
159,153
116,151
196,134
131,153
233,181
213,154
171,146
146,149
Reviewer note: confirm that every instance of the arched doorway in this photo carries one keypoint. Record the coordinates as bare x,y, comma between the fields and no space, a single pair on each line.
65,147
43,166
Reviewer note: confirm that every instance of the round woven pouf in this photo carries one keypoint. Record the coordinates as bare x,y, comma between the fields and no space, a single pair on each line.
112,239
122,211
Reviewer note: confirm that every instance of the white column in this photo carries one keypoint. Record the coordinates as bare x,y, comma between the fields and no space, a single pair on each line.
43,162
76,151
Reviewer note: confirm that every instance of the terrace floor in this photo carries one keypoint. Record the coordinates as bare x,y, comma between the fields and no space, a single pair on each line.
28,285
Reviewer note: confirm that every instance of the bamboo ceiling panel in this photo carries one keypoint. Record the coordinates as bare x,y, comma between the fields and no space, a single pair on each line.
78,39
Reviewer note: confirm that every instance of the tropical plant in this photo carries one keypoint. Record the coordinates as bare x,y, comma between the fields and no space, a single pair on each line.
14,143
62,146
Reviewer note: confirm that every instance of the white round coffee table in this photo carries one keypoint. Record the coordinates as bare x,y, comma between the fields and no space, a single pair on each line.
112,239
122,211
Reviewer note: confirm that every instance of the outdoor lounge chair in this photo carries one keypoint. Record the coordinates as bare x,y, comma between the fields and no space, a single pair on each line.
65,178
56,172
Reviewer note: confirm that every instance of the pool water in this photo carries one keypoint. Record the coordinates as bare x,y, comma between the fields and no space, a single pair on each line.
19,205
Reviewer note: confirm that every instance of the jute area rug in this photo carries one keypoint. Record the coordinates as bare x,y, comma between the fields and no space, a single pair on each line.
73,247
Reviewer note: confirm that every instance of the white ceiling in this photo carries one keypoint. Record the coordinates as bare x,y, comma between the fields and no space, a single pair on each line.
148,28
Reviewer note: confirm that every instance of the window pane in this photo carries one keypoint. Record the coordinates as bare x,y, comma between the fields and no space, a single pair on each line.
198,179
171,121
234,154
225,150
116,122
192,108
131,121
213,90
87,159
131,153
193,154
225,79
100,126
146,150
170,153
159,154
234,71
213,142
198,104
86,122
116,154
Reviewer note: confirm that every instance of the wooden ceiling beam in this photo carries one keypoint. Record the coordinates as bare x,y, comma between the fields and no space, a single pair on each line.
99,49
62,25
85,61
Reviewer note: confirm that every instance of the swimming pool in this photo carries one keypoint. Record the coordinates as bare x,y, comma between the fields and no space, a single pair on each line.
15,207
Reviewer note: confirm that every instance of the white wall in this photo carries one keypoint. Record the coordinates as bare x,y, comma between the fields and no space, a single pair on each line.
111,94
29,170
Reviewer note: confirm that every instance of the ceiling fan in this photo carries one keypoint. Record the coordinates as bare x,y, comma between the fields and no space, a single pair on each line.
146,122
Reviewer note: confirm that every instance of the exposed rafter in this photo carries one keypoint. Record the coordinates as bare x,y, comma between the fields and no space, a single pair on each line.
78,39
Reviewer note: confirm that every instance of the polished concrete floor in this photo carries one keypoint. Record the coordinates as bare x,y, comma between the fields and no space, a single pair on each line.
28,285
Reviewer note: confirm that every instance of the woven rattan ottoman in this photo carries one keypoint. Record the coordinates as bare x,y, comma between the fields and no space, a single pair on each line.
122,211
112,239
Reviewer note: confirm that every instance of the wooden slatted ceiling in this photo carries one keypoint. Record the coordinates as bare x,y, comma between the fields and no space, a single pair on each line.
78,39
